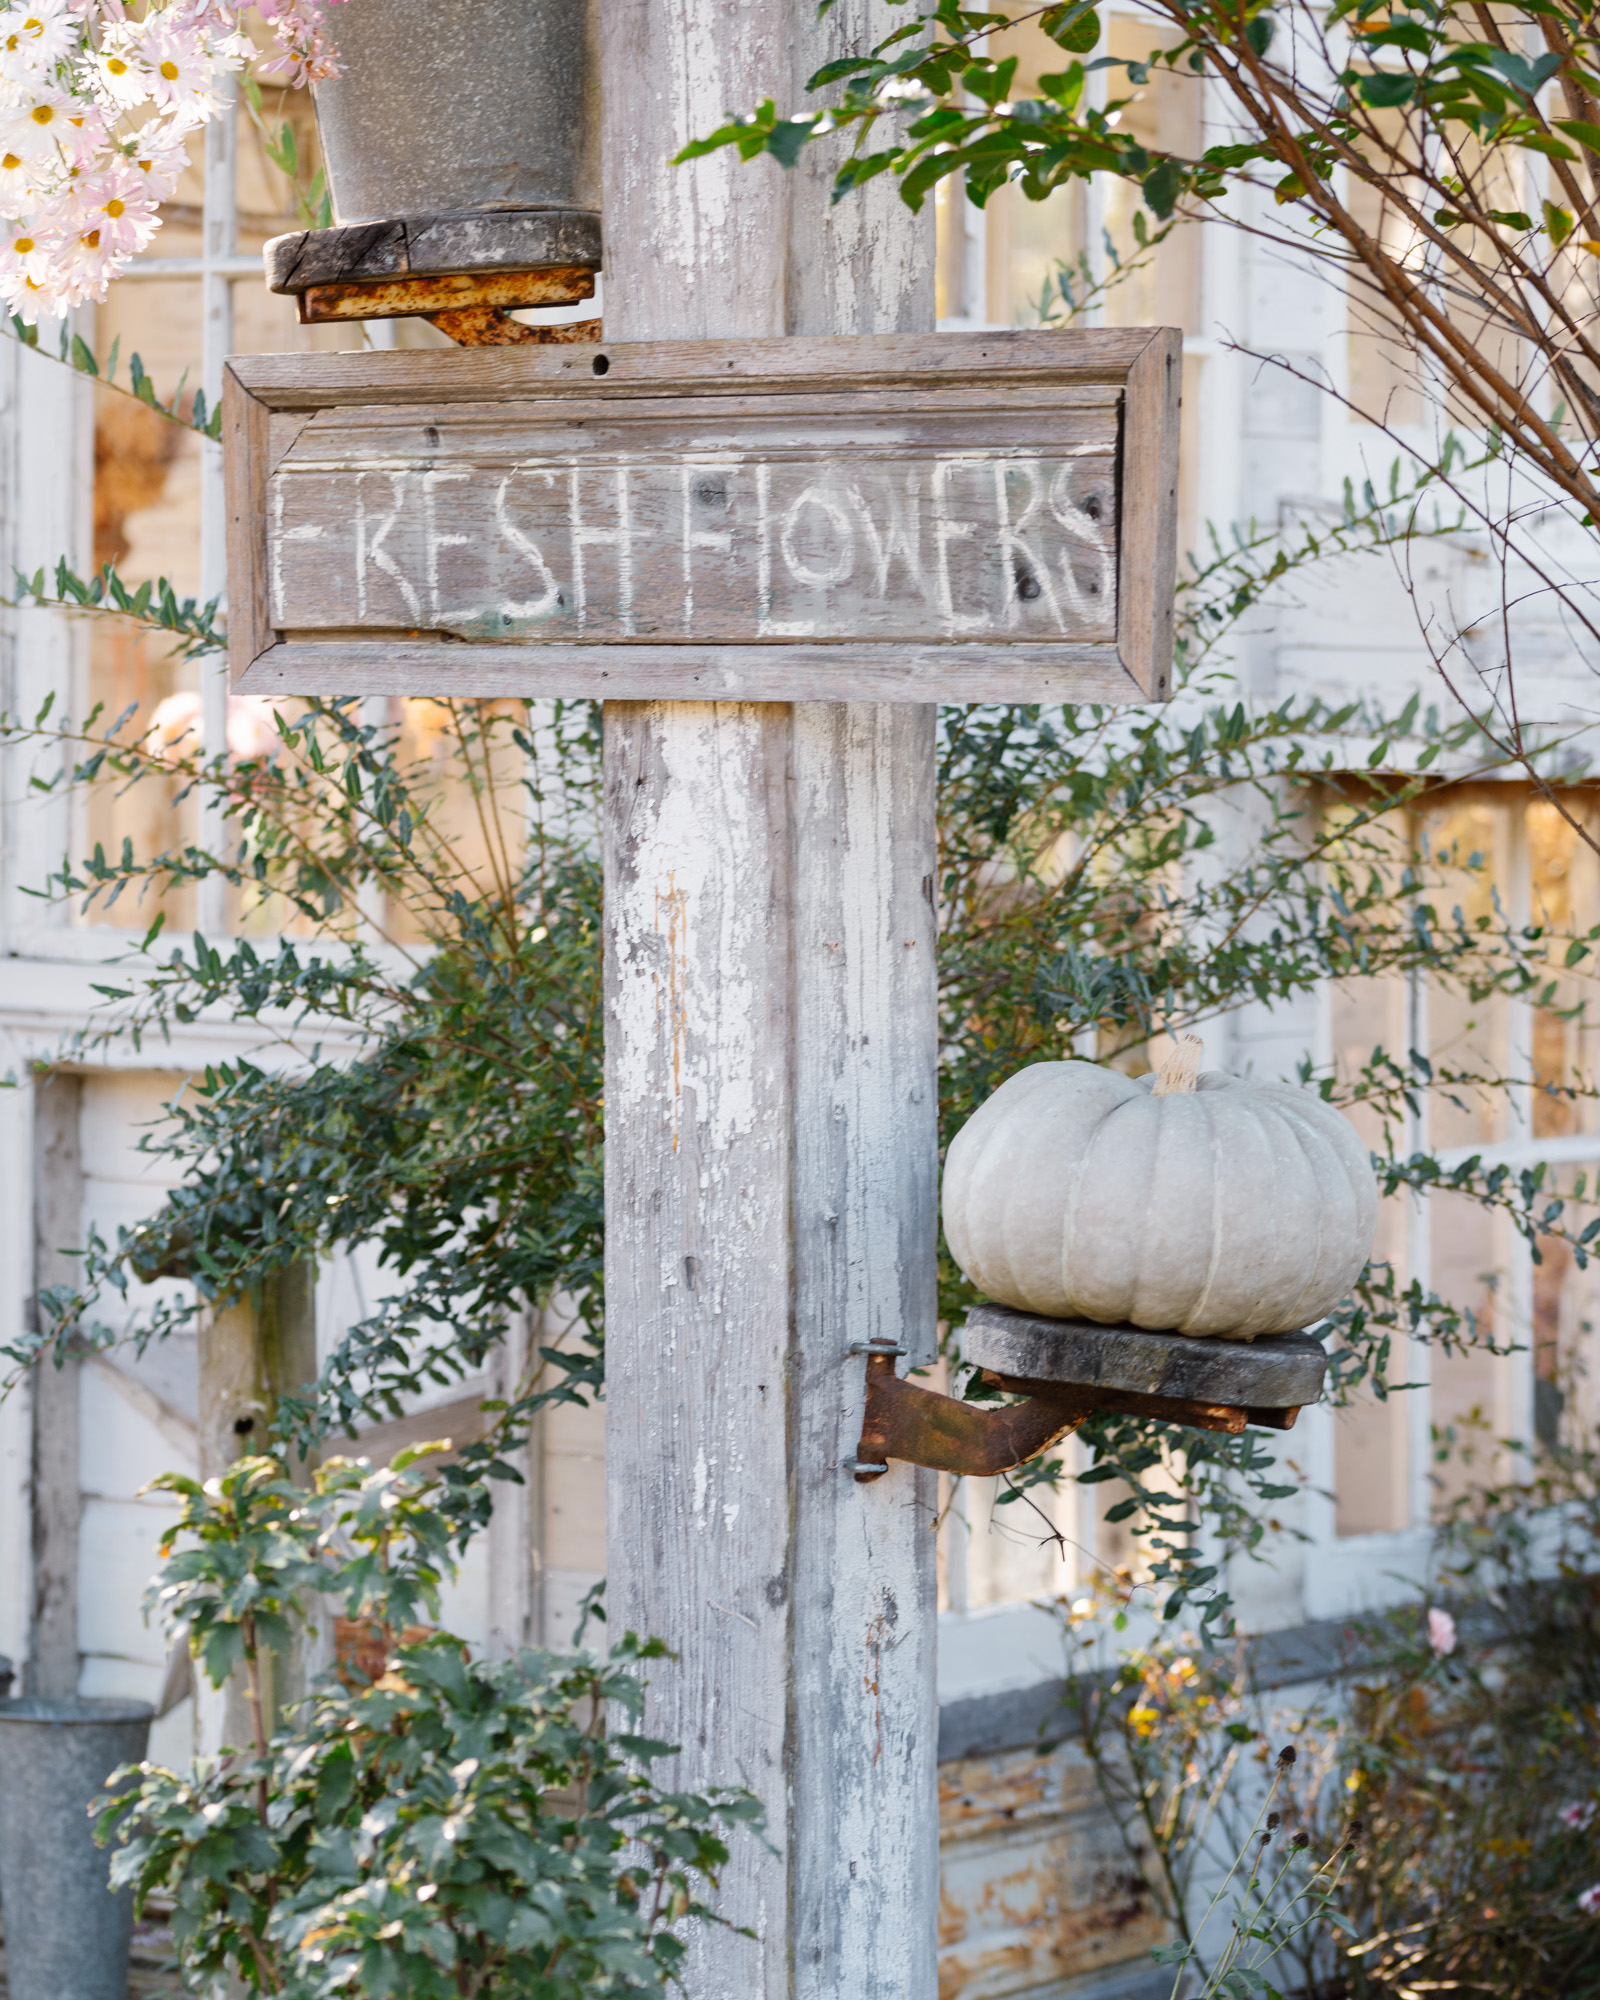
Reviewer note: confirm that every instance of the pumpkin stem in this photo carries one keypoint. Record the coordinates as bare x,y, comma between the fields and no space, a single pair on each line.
1181,1070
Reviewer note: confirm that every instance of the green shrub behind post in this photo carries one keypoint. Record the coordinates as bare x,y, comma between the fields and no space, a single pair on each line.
454,1827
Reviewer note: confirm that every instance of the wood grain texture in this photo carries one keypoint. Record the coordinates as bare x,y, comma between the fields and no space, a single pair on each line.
1148,519
864,1207
1285,1369
769,1095
247,462
697,673
724,364
965,489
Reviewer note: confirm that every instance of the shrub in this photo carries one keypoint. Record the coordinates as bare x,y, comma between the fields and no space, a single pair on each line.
452,1828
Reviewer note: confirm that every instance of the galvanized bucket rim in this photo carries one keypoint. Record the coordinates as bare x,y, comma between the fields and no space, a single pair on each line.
58,1709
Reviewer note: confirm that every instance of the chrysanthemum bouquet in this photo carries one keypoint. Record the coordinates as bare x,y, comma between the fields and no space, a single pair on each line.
98,99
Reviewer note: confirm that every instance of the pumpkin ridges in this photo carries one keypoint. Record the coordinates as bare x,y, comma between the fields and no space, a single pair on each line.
1213,1116
1278,1312
1082,1195
1318,1280
1116,1182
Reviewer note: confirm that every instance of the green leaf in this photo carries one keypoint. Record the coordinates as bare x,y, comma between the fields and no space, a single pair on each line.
1075,28
1386,90
1161,188
789,137
1528,77
1587,135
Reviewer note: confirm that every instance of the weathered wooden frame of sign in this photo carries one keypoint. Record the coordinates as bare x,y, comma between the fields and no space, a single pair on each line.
948,517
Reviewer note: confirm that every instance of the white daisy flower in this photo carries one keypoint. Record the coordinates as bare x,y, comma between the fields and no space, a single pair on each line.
182,75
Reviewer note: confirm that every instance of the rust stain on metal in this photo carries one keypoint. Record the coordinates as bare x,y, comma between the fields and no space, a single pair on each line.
402,298
1035,1886
905,1421
492,326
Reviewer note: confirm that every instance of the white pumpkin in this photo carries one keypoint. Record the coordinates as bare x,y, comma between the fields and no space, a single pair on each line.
1227,1208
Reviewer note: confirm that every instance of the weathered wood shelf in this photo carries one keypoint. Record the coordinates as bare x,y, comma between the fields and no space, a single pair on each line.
1071,1370
1282,1371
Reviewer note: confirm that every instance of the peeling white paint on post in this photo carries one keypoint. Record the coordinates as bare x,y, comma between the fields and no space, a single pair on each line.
770,1109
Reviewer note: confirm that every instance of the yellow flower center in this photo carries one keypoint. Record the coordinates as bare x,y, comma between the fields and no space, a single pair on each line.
116,66
43,114
113,208
23,245
93,239
10,163
169,70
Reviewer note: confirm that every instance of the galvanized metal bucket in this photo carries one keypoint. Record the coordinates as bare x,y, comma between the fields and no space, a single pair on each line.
447,106
66,1936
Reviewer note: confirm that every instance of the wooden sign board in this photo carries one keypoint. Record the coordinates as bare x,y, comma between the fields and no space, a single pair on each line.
947,517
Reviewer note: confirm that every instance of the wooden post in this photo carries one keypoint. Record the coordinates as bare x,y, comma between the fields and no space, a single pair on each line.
249,1357
771,1148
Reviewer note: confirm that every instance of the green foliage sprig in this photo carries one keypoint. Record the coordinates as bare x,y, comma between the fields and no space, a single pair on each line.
1432,1822
456,1127
455,1827
154,604
74,352
435,981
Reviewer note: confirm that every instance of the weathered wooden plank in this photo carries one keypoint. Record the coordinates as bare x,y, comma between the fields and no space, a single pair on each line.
578,541
864,1218
686,365
973,487
699,673
246,431
769,1095
1148,525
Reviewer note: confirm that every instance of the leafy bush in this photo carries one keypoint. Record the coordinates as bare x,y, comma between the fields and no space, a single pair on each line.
1106,876
454,1827
1433,1819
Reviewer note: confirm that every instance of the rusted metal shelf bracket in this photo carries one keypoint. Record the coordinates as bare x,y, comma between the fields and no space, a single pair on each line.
903,1420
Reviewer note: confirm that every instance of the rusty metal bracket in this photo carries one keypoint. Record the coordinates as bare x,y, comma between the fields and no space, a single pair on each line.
473,308
905,1421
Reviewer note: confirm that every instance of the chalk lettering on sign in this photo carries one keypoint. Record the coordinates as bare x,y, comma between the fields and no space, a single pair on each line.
304,531
702,545
902,533
768,627
433,540
946,531
550,588
620,538
370,552
844,557
707,487
1081,522
1024,575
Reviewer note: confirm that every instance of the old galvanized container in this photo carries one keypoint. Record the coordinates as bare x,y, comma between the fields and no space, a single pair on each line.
452,106
66,1936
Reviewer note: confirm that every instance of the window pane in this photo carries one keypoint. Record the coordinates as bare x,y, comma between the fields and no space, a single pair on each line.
1565,898
1468,836
1370,1450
